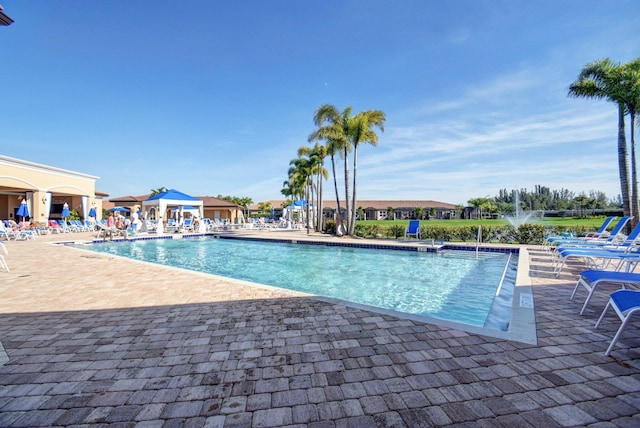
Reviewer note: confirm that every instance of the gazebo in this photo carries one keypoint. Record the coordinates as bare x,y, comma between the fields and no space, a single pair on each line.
175,200
298,209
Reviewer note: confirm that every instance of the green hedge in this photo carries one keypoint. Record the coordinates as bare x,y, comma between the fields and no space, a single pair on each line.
505,234
524,234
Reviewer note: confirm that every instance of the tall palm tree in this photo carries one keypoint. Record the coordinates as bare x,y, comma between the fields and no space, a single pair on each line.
627,78
332,150
300,180
597,80
361,132
297,178
333,126
323,174
344,133
316,156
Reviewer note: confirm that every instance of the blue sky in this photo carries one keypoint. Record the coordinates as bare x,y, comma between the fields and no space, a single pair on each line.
213,97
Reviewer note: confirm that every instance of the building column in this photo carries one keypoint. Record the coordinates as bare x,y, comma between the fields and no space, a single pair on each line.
40,203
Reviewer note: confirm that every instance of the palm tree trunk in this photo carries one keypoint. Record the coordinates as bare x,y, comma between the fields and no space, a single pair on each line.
352,224
319,206
346,187
335,185
623,165
634,174
308,199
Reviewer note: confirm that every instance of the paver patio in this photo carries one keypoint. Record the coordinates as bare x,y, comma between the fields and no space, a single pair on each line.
96,340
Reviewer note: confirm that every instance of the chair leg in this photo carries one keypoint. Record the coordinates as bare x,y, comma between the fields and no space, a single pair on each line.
576,288
618,333
3,264
592,290
617,336
603,313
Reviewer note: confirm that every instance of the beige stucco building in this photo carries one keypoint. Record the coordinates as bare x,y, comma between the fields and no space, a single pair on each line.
45,189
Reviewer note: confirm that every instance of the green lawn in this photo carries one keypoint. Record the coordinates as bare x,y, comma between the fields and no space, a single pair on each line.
589,222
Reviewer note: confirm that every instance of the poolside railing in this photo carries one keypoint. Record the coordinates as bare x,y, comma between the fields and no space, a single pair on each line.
504,274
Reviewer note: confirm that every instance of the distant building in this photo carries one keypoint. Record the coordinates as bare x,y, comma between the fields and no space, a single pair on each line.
378,209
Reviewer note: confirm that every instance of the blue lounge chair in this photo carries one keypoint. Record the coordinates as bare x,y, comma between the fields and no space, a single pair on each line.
598,255
590,279
602,230
603,238
413,229
625,303
600,259
7,232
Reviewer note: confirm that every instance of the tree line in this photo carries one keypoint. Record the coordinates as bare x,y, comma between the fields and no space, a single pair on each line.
543,198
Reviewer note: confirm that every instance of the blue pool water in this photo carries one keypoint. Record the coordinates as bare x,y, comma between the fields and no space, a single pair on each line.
458,286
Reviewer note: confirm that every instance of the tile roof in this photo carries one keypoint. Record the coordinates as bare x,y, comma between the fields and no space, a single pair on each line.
375,204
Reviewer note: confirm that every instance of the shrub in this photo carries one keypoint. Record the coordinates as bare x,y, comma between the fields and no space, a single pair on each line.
367,230
330,227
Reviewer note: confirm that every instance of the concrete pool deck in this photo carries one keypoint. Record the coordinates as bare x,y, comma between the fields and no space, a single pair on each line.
92,339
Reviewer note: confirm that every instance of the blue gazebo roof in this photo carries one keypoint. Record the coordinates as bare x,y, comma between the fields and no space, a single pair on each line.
173,195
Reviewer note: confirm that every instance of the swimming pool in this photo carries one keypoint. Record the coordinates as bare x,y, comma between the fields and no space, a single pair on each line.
459,286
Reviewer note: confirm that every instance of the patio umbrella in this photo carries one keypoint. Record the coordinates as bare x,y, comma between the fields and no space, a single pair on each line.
23,211
118,210
65,211
92,212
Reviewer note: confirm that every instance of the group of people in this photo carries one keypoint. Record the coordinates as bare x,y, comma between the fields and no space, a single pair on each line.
121,223
23,225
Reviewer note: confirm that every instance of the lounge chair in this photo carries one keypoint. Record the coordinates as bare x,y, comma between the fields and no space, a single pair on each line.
79,225
602,238
597,254
55,227
210,227
16,234
590,279
172,226
602,230
413,229
27,234
7,232
3,263
104,231
41,229
262,224
65,226
625,303
600,259
148,225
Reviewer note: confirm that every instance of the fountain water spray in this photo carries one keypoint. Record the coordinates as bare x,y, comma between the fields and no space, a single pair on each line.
519,217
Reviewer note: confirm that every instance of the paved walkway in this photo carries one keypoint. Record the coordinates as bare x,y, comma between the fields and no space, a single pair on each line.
96,340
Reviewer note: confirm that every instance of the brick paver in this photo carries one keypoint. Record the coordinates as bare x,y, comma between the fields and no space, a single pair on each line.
92,339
